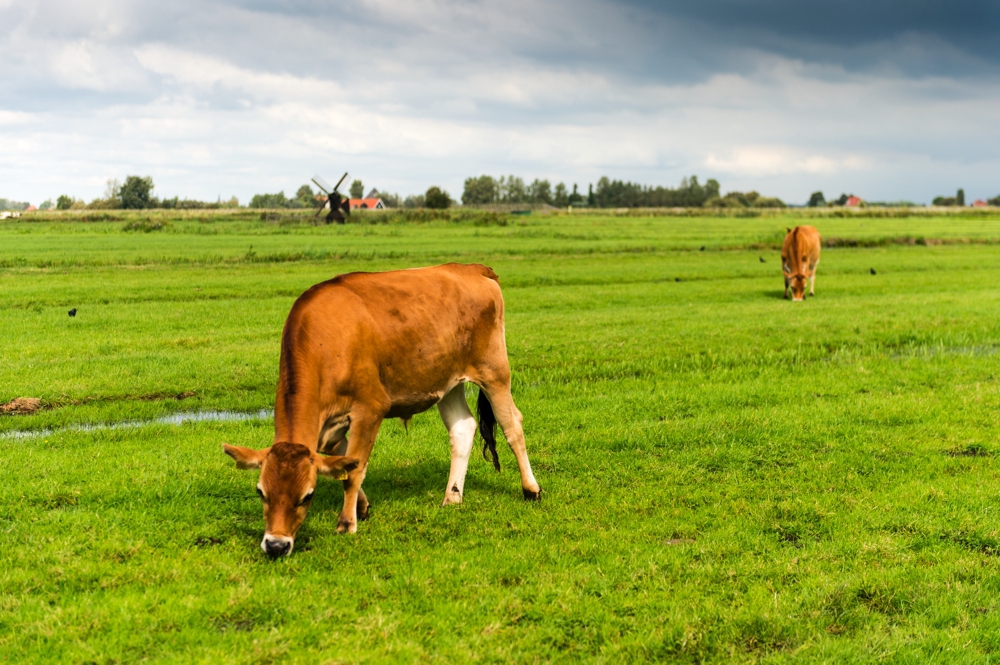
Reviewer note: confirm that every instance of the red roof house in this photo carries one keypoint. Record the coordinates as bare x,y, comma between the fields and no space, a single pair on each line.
853,201
367,204
979,203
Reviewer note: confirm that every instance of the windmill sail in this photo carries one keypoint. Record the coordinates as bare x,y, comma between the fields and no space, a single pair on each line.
321,184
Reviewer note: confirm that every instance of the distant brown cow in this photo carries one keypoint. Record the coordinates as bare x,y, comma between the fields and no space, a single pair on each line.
799,257
364,347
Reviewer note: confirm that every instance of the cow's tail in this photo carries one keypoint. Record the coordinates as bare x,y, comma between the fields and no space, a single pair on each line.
487,428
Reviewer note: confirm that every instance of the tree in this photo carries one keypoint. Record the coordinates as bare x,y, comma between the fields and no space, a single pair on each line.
269,201
575,198
960,197
112,189
559,198
46,205
540,191
817,199
64,202
481,190
357,190
306,196
590,195
711,189
135,192
436,198
512,190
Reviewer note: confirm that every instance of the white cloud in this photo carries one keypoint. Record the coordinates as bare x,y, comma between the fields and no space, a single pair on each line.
768,160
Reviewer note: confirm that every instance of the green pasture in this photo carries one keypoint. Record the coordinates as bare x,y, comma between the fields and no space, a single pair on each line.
727,476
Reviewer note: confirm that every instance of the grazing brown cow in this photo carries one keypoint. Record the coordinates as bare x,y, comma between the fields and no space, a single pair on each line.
799,257
364,347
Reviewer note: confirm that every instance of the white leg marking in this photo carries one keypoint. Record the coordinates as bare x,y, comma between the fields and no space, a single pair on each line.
461,432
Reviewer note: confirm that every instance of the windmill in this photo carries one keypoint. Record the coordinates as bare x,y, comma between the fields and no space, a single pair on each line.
339,206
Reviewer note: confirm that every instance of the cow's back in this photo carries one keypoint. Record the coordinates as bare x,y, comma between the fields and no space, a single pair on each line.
402,335
800,250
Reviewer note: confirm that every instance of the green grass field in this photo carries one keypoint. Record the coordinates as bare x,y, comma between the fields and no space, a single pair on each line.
727,476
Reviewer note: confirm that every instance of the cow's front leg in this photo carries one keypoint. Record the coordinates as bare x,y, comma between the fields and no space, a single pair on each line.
787,282
461,432
359,445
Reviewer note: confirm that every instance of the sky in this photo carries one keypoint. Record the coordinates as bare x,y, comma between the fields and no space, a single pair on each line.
886,99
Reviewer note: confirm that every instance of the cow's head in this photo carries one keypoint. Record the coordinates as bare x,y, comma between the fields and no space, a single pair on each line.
798,284
288,473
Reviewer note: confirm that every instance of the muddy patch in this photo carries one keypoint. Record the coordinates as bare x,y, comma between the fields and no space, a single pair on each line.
21,406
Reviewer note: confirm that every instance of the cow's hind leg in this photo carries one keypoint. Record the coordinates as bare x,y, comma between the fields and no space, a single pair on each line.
461,432
359,445
812,279
510,420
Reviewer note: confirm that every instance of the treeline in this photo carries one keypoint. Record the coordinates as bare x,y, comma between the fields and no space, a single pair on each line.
609,193
959,200
817,200
7,204
135,193
305,197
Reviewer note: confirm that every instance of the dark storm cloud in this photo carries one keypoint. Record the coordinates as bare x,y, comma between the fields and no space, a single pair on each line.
856,33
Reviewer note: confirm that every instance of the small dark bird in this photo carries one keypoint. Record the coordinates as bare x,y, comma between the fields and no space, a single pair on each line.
762,260
72,312
873,270
702,248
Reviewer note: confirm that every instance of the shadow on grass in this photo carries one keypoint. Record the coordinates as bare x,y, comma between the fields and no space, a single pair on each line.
431,477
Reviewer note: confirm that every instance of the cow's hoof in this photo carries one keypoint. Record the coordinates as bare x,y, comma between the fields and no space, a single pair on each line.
363,515
347,527
451,499
530,495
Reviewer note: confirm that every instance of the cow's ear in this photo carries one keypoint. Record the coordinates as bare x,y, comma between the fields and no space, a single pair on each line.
246,458
336,467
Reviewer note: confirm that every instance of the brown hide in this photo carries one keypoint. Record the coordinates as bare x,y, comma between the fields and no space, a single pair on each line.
386,345
799,257
367,346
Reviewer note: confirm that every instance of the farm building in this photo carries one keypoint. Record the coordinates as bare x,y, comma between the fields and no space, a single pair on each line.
853,201
367,204
979,203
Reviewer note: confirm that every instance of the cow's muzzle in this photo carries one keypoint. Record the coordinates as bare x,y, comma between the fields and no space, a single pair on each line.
275,546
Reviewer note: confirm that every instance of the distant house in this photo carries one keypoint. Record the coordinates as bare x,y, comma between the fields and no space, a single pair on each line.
367,204
30,208
979,203
853,201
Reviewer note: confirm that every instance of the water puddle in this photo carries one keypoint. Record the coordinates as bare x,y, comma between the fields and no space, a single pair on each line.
172,419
